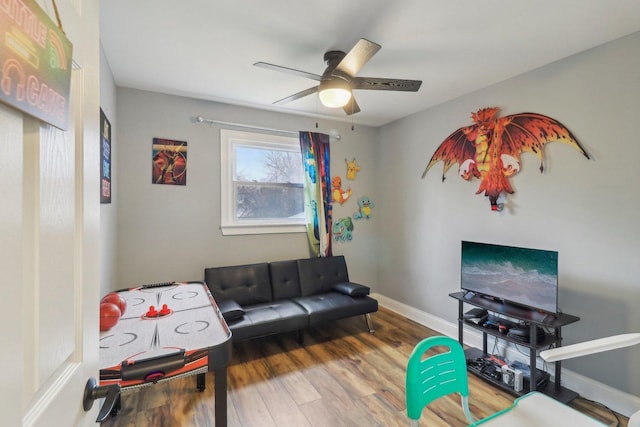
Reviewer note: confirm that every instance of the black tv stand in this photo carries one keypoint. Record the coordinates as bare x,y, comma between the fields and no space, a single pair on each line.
519,314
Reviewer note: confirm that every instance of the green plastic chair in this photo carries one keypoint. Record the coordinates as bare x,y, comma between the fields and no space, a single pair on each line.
433,377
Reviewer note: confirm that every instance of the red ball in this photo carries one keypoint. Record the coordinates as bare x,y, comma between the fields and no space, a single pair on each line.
109,315
117,299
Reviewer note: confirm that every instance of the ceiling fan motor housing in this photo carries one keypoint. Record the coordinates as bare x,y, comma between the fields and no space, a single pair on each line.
332,59
334,56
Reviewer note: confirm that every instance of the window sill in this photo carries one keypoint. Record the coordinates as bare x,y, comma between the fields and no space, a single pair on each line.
240,229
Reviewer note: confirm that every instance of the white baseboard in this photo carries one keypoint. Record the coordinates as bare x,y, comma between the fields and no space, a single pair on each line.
619,401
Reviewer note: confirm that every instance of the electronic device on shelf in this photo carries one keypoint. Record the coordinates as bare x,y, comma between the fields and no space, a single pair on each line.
477,316
521,276
513,378
542,377
519,332
523,334
475,313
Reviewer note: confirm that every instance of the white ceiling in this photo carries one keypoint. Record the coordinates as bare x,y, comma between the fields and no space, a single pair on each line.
206,48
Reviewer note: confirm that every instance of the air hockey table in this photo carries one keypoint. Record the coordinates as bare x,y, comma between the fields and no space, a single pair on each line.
167,331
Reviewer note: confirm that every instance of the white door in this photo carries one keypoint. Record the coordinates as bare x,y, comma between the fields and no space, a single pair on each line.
49,231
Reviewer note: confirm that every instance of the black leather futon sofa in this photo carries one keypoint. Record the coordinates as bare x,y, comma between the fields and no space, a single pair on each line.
263,299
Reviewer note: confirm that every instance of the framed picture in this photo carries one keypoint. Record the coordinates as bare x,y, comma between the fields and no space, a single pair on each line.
169,162
105,159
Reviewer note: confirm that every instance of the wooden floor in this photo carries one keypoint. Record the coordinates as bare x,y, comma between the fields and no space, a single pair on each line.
341,376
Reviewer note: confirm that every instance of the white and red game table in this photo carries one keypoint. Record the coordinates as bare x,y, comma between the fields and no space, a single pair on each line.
168,330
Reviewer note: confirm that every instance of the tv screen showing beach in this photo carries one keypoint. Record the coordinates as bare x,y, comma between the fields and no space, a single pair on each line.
519,275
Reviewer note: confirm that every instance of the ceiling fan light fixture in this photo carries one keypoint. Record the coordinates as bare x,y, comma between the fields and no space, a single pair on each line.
335,98
334,93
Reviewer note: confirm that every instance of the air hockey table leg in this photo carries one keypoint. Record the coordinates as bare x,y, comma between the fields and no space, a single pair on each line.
117,407
200,382
221,396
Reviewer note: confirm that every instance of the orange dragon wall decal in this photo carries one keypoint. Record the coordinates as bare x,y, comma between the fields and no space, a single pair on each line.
490,149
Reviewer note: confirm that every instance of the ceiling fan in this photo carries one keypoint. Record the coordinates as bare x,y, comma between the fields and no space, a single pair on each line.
339,78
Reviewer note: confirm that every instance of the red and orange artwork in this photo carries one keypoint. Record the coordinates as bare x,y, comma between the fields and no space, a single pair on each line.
490,149
169,162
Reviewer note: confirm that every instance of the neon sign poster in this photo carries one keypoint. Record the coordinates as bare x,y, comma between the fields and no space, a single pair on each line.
35,62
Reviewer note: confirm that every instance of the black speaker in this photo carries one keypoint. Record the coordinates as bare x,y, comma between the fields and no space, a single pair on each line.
522,333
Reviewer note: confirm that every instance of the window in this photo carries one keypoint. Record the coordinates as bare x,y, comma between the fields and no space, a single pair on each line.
261,183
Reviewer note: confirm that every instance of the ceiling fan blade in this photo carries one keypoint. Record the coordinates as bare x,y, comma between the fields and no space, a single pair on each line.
288,70
372,83
352,106
297,96
357,57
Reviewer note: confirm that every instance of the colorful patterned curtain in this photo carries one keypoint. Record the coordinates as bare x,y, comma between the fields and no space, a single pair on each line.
317,191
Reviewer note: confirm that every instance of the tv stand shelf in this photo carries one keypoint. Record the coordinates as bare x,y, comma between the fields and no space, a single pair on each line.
516,314
542,343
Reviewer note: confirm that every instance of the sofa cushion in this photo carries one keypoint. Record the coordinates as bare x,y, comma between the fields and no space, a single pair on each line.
334,305
230,310
351,289
245,284
269,318
318,275
284,279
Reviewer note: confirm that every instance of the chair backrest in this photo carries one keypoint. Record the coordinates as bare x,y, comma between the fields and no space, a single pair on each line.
431,377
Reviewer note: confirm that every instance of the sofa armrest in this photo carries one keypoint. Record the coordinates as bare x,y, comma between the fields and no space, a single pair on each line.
230,310
351,289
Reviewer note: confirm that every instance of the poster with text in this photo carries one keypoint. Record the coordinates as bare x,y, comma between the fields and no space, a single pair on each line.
169,162
105,159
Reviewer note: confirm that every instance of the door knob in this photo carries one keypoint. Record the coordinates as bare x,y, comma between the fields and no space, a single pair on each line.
92,391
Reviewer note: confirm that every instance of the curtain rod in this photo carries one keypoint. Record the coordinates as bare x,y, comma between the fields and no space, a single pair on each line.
201,119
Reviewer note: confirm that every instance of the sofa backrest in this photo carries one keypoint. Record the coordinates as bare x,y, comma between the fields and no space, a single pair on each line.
285,282
318,275
246,284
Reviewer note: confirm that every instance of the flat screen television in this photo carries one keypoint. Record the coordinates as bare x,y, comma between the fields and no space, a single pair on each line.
523,276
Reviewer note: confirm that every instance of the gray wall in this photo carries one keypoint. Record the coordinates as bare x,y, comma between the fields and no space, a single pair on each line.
172,232
108,212
585,209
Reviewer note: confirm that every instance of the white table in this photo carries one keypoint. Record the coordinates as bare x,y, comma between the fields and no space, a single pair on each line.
536,409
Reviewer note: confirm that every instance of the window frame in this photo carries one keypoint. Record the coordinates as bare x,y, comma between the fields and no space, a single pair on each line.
229,224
